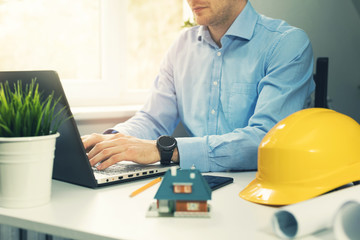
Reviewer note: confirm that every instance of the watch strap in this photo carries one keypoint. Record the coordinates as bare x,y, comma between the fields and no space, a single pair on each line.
165,156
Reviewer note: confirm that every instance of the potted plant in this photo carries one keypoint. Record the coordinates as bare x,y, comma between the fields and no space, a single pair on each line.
28,130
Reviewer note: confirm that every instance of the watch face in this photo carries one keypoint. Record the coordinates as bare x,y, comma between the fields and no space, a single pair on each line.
167,142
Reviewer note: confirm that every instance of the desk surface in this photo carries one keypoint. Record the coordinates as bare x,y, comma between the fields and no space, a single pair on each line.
109,213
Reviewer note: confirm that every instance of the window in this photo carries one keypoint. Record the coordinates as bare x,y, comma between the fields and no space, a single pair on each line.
177,189
193,206
182,187
187,189
107,52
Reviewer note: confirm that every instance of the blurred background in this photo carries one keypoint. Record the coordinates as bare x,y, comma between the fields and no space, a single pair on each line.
108,52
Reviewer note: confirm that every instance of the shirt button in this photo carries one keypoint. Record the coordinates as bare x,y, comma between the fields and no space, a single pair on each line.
213,111
219,54
215,83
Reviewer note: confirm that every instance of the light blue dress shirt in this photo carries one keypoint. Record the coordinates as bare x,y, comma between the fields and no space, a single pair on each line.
227,98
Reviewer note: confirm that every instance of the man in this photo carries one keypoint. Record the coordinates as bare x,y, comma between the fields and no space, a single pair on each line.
229,81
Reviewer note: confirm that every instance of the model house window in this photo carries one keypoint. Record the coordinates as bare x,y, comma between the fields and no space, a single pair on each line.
106,52
177,189
187,189
182,187
193,206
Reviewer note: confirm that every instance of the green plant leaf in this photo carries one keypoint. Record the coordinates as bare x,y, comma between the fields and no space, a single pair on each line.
24,111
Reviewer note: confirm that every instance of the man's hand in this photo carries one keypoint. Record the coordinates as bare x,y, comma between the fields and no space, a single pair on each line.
108,149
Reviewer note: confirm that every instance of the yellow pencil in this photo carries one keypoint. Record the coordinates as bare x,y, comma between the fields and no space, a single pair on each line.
146,186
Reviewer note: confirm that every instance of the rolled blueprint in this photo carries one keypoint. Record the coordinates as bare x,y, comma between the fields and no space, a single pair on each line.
347,221
315,214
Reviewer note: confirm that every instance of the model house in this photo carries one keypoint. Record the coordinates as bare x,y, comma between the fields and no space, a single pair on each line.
183,193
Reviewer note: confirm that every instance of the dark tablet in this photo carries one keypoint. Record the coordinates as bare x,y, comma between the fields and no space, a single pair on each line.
216,182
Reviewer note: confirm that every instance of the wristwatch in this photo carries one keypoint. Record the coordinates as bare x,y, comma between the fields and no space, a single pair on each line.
166,146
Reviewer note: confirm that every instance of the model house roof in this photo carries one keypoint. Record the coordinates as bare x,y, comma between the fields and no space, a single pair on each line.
200,190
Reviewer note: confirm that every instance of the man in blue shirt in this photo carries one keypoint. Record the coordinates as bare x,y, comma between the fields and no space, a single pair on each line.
228,80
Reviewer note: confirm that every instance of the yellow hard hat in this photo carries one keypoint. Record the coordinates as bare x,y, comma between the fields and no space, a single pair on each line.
308,153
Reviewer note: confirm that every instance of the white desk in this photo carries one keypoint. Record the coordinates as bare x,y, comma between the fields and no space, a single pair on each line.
109,213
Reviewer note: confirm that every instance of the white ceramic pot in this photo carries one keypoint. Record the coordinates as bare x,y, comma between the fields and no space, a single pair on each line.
26,165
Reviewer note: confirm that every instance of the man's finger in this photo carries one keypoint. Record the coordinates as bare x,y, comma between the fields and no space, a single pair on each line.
91,140
112,160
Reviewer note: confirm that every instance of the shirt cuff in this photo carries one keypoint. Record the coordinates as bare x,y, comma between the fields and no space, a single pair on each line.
193,152
110,131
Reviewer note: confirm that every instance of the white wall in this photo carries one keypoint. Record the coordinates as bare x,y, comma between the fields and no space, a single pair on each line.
333,27
97,126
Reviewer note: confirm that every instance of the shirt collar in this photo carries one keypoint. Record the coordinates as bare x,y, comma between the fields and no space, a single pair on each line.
243,26
204,35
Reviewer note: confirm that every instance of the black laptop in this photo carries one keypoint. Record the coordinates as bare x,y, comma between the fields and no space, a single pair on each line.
71,163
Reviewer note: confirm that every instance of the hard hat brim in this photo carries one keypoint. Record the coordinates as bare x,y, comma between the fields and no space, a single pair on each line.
261,193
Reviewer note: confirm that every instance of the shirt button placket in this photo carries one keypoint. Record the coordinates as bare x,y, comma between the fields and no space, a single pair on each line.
215,92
